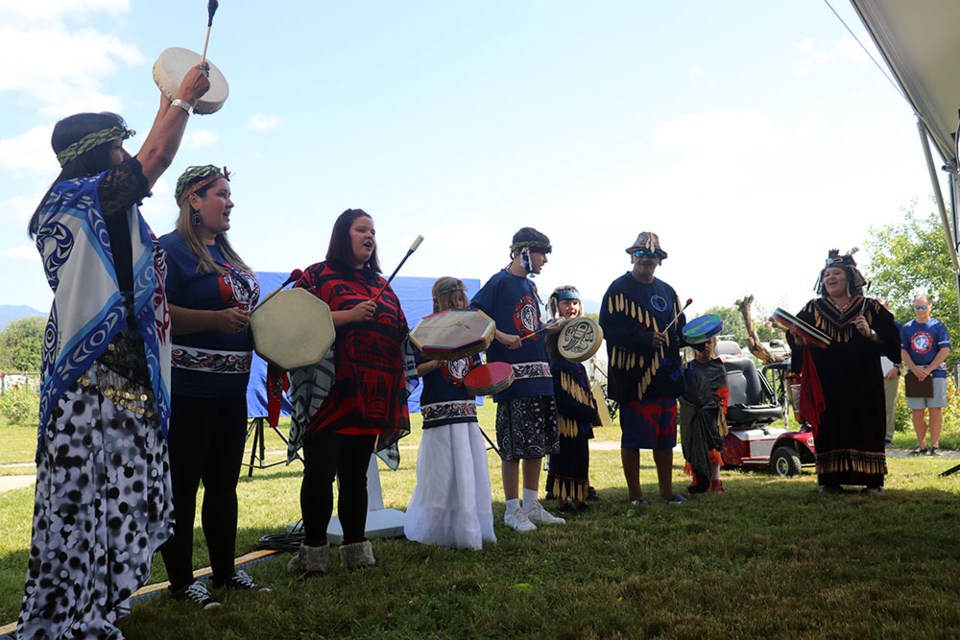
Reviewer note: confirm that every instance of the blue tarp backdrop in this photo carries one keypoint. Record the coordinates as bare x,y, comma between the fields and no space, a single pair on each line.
415,298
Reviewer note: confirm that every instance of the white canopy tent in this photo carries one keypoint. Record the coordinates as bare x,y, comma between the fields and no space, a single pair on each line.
920,41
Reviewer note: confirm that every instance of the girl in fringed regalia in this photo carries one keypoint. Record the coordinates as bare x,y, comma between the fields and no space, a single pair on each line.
842,385
103,498
569,468
451,504
703,424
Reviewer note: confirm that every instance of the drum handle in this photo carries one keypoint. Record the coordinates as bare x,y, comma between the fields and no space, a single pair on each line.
558,321
294,275
677,317
212,6
413,247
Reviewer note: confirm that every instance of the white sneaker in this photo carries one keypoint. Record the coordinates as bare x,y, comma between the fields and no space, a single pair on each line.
539,515
518,521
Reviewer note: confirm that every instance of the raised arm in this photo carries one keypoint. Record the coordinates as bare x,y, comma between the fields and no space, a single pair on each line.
162,142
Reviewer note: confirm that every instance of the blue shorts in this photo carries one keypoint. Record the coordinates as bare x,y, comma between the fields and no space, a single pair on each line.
650,423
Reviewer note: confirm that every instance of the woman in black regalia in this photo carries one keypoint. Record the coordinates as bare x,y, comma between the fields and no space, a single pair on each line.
847,407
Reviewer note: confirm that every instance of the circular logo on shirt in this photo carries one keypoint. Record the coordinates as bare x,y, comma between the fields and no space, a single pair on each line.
921,342
454,371
525,315
658,302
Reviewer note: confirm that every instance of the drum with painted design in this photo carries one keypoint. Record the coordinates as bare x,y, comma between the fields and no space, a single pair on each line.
579,339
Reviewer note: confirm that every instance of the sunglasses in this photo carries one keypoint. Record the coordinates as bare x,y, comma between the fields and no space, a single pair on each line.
644,253
920,307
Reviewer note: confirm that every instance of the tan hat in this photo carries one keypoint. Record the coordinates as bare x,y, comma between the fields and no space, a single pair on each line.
649,241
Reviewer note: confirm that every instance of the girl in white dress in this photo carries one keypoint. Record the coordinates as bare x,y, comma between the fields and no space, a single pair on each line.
451,504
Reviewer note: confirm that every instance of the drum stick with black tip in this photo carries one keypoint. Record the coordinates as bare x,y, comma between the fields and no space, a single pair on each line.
413,247
679,313
211,9
559,322
294,276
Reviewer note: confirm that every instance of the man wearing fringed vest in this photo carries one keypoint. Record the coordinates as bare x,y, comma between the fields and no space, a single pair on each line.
644,367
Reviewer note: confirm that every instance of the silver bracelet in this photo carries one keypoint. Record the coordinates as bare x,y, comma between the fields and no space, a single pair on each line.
183,104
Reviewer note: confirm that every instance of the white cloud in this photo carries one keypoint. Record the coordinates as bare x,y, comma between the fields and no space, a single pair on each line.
200,139
263,124
20,208
695,72
846,47
48,10
41,28
727,132
851,48
22,252
29,152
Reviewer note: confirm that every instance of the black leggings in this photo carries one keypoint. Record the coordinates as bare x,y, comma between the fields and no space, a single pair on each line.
206,442
328,455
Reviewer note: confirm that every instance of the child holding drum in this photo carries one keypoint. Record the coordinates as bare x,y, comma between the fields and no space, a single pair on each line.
567,479
451,504
703,406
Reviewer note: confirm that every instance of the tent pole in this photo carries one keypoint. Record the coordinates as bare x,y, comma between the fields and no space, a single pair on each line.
954,185
938,196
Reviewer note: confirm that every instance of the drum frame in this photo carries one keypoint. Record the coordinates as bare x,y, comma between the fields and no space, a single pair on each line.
572,326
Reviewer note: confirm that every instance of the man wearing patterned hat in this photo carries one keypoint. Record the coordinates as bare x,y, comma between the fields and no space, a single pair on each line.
644,367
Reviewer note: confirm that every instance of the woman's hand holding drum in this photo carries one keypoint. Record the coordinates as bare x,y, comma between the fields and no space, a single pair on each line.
231,320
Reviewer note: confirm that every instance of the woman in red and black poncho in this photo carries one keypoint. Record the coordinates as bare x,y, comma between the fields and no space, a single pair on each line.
367,403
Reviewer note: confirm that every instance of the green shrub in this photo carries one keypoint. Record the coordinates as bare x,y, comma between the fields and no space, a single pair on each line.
19,406
950,434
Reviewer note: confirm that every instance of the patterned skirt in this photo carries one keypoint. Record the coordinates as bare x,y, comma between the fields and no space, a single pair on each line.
527,428
103,506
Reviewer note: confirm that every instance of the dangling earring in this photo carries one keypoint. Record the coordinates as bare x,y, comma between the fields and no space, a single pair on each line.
195,218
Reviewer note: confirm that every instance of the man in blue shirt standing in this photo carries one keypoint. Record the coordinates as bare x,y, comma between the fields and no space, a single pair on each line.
526,410
925,346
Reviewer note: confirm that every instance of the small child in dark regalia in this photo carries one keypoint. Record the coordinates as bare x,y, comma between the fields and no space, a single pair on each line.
703,407
567,479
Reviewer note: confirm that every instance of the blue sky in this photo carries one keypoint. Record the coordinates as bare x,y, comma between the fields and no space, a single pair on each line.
752,136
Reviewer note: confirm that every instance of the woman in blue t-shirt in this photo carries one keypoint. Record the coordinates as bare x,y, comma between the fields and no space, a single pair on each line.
211,292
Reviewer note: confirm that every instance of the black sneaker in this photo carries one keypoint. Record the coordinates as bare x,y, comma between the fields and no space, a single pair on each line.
932,451
919,452
241,581
196,593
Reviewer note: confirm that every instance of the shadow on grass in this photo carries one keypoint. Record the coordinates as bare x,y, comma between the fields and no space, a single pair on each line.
771,558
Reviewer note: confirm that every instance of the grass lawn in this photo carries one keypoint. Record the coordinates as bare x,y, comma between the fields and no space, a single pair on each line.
769,559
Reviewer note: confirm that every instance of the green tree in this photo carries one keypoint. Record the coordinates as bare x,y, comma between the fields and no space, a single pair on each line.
733,323
911,257
21,344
